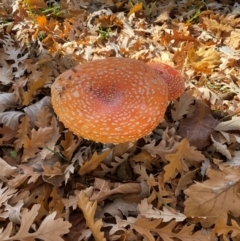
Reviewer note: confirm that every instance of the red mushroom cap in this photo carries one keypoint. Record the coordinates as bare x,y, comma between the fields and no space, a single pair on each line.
175,82
110,101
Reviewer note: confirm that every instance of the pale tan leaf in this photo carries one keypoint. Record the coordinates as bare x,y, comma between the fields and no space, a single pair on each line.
49,229
148,211
89,209
6,170
221,148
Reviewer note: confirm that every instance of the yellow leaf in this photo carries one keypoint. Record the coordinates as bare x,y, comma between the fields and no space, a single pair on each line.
136,8
203,60
89,208
93,163
34,87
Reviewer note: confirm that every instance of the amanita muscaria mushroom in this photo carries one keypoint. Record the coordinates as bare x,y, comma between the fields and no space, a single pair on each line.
113,100
174,80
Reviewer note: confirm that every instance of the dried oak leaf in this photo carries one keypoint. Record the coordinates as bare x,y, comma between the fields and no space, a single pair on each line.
7,100
22,133
148,211
50,228
20,178
94,162
28,95
222,148
185,154
7,134
103,189
6,193
198,127
231,125
69,144
150,228
221,228
215,197
181,106
37,140
89,209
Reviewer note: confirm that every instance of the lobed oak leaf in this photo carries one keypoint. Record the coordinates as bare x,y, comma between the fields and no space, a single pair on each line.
5,72
23,131
43,117
27,96
48,152
70,144
175,160
221,228
148,211
54,171
103,189
6,193
181,106
37,140
151,228
49,229
56,203
20,178
89,209
94,162
33,109
215,197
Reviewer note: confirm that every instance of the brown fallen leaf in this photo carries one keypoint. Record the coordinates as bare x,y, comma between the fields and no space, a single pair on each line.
198,126
215,197
37,140
94,162
222,229
89,209
48,229
103,189
185,154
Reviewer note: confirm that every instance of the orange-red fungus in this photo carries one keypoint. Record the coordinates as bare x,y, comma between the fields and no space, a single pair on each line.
174,80
110,101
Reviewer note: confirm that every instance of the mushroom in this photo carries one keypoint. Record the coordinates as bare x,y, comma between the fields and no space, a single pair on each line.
174,80
113,100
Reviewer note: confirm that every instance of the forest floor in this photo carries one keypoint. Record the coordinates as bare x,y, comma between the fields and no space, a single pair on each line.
181,182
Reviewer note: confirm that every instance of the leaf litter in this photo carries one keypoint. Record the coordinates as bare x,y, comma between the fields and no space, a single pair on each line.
179,182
